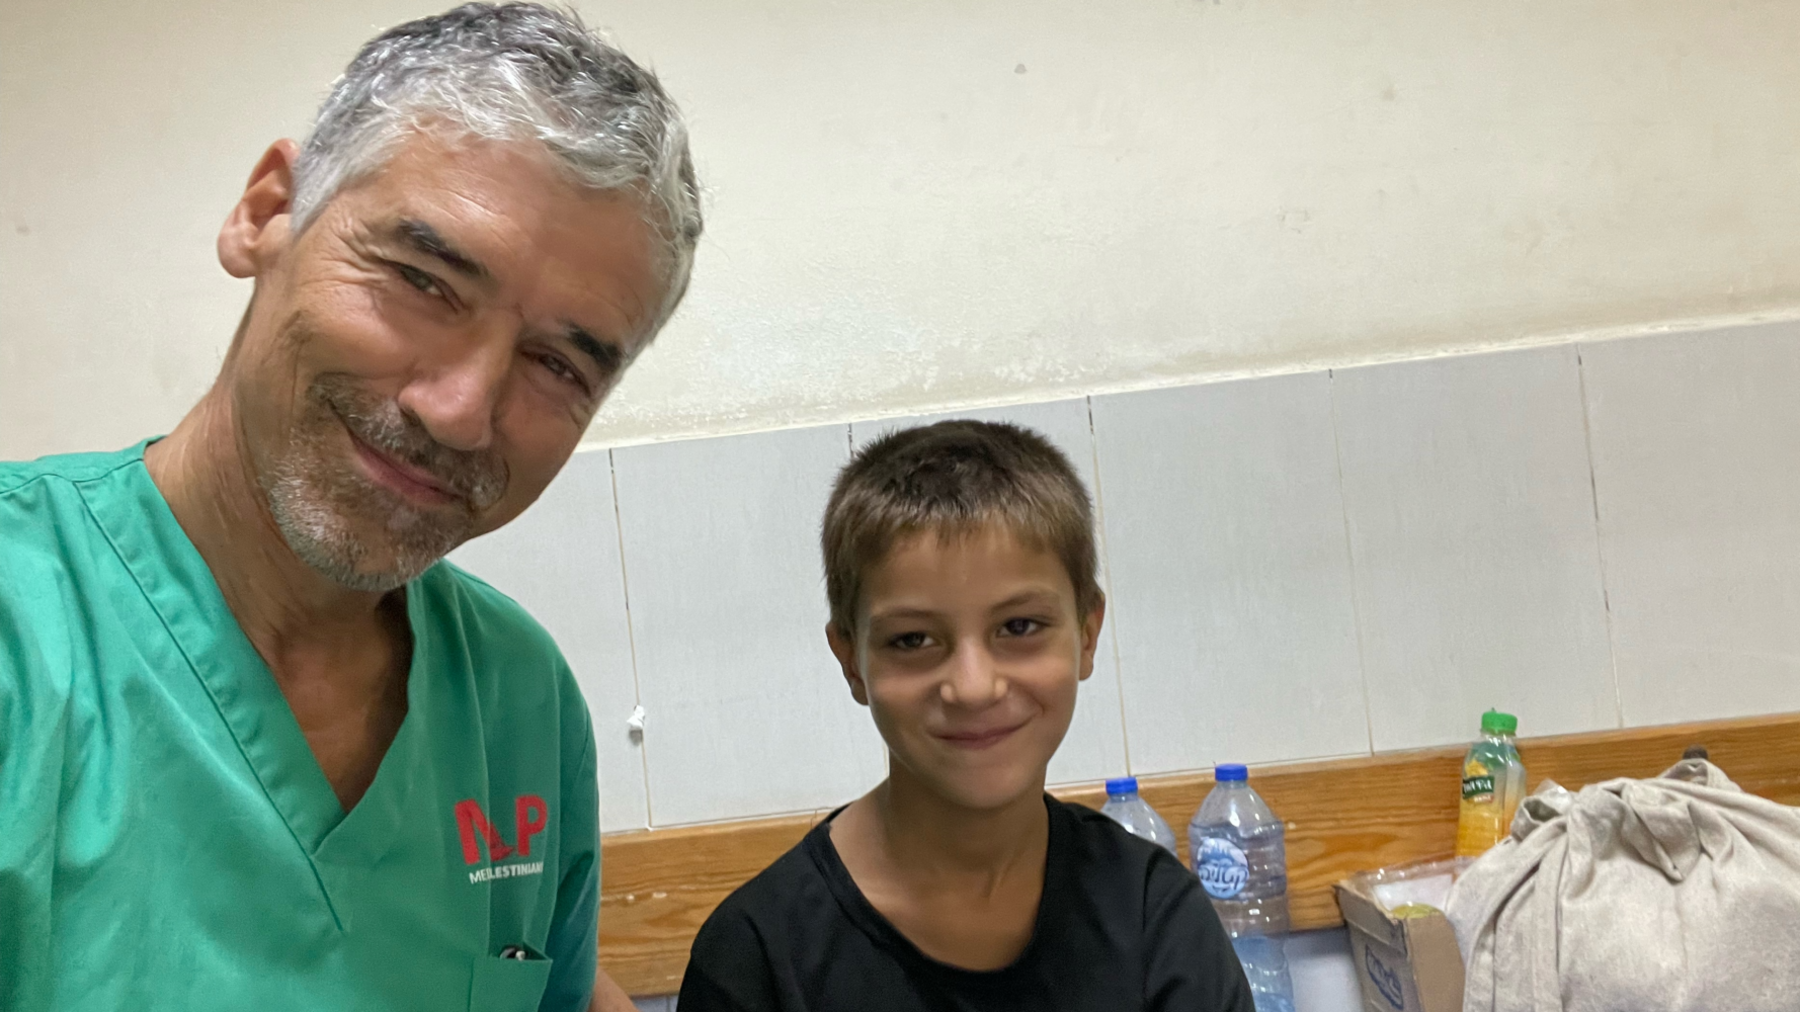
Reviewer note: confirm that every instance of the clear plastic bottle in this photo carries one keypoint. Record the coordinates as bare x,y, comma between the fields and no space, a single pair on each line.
1238,847
1493,784
1124,807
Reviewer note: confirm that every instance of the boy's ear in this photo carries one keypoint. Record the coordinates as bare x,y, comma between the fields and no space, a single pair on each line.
843,647
1090,635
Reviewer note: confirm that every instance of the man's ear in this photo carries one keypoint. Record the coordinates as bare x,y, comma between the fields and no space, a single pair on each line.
1090,635
247,241
843,647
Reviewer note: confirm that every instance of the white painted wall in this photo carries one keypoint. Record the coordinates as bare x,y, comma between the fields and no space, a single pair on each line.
918,204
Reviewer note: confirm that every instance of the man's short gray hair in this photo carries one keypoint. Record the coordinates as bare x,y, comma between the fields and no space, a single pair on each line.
512,72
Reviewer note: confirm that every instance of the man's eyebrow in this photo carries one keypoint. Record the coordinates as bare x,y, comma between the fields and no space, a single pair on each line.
606,354
425,239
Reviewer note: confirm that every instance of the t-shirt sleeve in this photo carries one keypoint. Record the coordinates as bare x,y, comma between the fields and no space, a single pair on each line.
728,967
575,925
1191,966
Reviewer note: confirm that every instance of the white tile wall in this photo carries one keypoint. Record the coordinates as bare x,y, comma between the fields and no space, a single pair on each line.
1471,515
1230,574
746,711
1427,529
1696,445
560,559
1095,746
1271,546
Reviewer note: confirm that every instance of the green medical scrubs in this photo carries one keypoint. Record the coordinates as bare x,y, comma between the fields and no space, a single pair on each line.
167,840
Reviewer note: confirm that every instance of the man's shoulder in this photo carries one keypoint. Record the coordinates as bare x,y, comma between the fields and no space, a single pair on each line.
48,541
511,656
61,471
488,617
47,534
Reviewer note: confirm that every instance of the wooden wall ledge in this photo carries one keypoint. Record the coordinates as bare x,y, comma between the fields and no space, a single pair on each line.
1342,815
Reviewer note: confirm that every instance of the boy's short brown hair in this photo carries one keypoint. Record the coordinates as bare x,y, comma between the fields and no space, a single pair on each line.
954,477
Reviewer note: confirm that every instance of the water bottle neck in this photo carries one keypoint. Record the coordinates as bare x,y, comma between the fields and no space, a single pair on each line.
1124,796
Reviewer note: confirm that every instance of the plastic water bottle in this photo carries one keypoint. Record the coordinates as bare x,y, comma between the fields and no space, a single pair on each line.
1124,807
1238,850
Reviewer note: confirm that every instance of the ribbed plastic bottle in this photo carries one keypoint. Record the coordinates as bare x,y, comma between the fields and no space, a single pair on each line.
1124,807
1238,849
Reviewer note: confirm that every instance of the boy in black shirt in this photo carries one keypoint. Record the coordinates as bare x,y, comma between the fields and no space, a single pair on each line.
960,567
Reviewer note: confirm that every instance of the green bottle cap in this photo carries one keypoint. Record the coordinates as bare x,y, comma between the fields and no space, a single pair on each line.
1495,722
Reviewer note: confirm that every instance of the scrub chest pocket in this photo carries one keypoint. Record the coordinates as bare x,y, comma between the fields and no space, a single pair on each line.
505,984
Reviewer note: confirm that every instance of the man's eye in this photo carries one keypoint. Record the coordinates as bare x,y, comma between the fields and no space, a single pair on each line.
909,641
563,370
1021,626
421,280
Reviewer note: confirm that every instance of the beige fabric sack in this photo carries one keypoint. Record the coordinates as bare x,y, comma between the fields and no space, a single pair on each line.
1675,894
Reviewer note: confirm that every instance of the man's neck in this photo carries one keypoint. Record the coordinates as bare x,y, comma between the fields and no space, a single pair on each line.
285,608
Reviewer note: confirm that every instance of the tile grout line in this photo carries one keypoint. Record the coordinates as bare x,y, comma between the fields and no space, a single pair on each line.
1587,435
1106,568
637,688
1362,660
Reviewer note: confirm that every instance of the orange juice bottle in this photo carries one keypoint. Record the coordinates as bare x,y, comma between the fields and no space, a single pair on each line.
1493,783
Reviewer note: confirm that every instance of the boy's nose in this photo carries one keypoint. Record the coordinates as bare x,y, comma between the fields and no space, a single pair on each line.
973,681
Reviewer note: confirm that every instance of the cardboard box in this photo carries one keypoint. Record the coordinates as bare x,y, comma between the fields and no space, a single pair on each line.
1407,964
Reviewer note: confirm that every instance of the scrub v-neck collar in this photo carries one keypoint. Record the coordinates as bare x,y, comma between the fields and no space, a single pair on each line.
180,588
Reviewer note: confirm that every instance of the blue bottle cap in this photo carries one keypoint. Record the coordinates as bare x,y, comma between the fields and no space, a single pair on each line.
1120,785
1227,772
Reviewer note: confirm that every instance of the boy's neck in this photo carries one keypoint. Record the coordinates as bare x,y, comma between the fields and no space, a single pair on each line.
926,835
962,884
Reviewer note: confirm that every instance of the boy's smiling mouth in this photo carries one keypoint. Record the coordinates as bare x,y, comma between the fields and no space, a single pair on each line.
979,737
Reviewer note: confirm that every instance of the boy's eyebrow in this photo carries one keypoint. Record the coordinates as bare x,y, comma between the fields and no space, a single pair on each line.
893,613
1028,596
428,241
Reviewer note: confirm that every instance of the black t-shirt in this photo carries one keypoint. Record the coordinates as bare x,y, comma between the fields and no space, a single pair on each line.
1122,926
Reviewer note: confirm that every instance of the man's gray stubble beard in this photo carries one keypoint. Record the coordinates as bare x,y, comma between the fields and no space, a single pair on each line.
312,505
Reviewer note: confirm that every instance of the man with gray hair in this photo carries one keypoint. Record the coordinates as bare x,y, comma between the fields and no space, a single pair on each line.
259,747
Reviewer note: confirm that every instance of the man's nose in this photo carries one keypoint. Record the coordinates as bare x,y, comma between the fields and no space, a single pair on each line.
456,395
973,680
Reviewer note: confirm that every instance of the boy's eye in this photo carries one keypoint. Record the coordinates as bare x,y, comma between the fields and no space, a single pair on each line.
1021,626
909,641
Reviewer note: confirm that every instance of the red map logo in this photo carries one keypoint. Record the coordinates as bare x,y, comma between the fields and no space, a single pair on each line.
530,816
